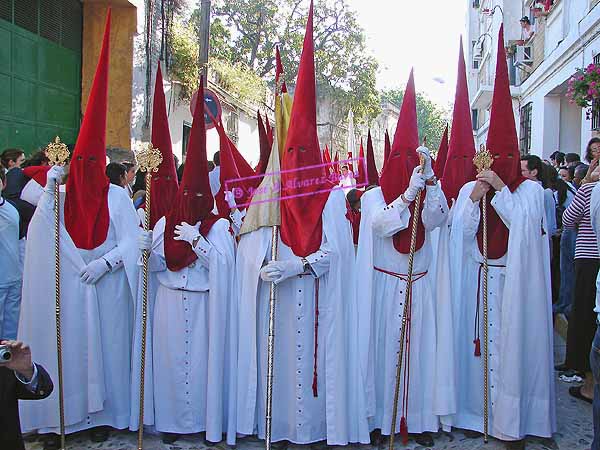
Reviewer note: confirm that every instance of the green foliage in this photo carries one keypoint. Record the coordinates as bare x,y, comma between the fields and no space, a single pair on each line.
431,118
248,31
584,87
184,64
240,79
236,78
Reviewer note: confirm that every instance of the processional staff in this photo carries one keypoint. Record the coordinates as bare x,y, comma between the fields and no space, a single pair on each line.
148,159
58,153
483,161
406,315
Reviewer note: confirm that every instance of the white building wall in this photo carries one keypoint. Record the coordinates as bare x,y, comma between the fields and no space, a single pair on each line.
571,40
556,124
570,127
179,114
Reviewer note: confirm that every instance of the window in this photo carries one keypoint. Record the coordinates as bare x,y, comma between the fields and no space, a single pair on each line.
525,134
475,119
187,127
233,126
476,58
475,4
596,105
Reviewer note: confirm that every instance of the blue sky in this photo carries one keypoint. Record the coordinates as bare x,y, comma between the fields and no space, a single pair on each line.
423,34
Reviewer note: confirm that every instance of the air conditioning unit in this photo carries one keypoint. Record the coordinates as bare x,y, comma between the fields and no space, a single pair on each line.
524,55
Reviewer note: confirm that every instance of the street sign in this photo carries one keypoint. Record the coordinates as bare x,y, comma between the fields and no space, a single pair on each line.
212,107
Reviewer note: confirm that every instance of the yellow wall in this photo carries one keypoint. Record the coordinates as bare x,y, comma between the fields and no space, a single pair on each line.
123,27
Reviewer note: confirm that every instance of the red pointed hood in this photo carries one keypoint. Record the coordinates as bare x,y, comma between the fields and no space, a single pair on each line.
265,147
502,143
37,173
194,201
327,160
279,71
86,202
502,135
372,175
164,182
387,148
236,175
269,132
362,175
336,164
350,158
326,155
459,168
440,160
301,212
401,162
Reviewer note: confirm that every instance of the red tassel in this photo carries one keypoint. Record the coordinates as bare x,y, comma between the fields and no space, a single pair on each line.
314,386
404,430
477,343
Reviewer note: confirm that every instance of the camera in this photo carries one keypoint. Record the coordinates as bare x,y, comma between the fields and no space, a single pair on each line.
5,354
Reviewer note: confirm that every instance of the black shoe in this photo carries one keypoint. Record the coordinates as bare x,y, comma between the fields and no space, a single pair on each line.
51,441
376,438
561,367
99,434
470,434
515,445
424,439
169,438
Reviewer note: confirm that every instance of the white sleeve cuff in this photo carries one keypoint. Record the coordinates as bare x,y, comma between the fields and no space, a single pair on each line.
31,385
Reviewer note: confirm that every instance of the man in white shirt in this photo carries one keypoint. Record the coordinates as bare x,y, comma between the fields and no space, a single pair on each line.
10,266
214,176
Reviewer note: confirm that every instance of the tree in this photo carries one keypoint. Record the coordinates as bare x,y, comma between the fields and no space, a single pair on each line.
247,31
236,78
431,118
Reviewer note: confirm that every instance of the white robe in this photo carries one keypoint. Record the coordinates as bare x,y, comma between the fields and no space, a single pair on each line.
382,307
195,338
520,318
95,320
297,415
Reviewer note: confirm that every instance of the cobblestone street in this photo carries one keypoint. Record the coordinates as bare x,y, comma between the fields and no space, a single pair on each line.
574,432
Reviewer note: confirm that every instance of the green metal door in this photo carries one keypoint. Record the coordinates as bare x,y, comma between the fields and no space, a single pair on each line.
40,72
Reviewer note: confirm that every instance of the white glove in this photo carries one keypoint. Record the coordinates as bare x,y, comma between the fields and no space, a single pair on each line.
416,184
54,175
145,240
278,271
427,167
94,271
186,232
230,199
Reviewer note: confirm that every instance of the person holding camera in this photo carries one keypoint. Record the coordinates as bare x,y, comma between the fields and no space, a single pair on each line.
20,379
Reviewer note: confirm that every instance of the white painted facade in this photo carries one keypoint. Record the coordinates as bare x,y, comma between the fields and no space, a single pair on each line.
567,38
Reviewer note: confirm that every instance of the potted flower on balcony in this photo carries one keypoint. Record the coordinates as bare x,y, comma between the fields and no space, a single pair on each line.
584,87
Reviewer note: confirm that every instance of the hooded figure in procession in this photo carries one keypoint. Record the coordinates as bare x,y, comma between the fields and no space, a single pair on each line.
316,387
521,375
383,252
99,274
194,332
163,191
